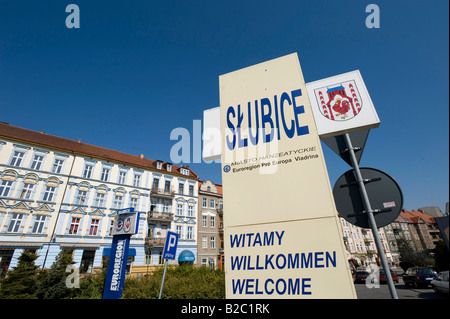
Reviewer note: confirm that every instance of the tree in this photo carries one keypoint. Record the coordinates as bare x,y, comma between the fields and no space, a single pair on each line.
53,281
20,283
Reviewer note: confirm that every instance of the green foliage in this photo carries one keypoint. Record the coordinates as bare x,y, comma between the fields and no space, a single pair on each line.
52,283
21,281
91,287
181,282
411,258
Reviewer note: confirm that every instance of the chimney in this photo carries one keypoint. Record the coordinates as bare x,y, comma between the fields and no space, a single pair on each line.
42,132
79,140
141,156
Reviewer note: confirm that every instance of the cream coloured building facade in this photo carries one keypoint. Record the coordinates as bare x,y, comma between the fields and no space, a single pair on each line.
58,194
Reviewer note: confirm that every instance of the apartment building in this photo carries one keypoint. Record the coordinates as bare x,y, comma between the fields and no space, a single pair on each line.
210,228
360,245
57,193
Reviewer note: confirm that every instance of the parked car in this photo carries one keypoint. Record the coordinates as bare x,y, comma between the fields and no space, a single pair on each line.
360,276
383,278
419,276
440,283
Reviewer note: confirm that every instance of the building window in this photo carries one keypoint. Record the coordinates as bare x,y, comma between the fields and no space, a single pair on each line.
181,188
184,171
205,202
39,224
37,162
205,262
212,220
17,158
26,191
73,229
212,242
94,227
57,166
87,173
212,203
49,193
167,187
169,167
179,231
204,242
190,211
190,233
166,207
155,183
122,177
134,202
117,202
221,204
105,174
5,187
180,209
99,200
81,198
158,165
205,221
191,190
137,180
14,225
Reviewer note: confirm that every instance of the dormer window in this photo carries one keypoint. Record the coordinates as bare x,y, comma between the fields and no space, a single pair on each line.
158,165
184,171
169,167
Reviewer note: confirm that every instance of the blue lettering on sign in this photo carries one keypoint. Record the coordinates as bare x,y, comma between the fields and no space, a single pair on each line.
271,111
290,286
115,276
274,261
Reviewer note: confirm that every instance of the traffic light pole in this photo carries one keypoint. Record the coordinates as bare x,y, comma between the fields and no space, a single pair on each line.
369,212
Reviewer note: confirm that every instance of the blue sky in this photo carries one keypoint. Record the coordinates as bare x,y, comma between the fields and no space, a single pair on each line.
135,70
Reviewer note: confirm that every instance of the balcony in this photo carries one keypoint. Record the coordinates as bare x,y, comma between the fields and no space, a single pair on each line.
154,216
151,242
162,192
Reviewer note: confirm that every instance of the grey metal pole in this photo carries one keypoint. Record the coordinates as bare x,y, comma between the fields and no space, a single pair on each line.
162,282
369,211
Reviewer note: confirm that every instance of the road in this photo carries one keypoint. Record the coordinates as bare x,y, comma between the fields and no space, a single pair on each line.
403,292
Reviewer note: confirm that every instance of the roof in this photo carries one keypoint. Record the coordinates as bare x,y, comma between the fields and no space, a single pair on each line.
218,187
415,216
77,147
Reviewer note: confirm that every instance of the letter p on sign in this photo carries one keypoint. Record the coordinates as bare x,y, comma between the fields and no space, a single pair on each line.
170,247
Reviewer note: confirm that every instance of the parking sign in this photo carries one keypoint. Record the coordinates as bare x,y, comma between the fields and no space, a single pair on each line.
170,247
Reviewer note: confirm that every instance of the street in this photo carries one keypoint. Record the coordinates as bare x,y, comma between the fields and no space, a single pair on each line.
404,292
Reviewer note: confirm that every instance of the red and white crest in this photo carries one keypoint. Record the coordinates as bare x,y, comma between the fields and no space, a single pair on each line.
127,225
339,102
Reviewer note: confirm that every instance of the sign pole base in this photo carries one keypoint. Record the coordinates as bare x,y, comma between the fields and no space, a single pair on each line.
372,222
162,281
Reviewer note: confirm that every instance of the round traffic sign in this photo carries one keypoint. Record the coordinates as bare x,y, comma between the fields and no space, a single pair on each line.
385,197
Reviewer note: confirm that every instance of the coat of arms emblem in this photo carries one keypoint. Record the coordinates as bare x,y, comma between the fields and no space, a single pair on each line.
339,102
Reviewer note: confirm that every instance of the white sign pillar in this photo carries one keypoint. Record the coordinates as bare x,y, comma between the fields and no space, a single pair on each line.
282,234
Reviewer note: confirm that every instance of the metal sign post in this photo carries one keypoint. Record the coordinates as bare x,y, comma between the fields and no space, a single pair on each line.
369,213
170,249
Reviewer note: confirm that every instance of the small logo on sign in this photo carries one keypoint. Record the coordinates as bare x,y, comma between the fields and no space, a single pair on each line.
119,225
227,168
339,102
127,226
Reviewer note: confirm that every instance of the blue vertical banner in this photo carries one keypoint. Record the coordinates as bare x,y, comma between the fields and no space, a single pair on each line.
117,266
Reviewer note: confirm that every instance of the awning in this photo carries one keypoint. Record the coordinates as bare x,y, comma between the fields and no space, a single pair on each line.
107,252
186,255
